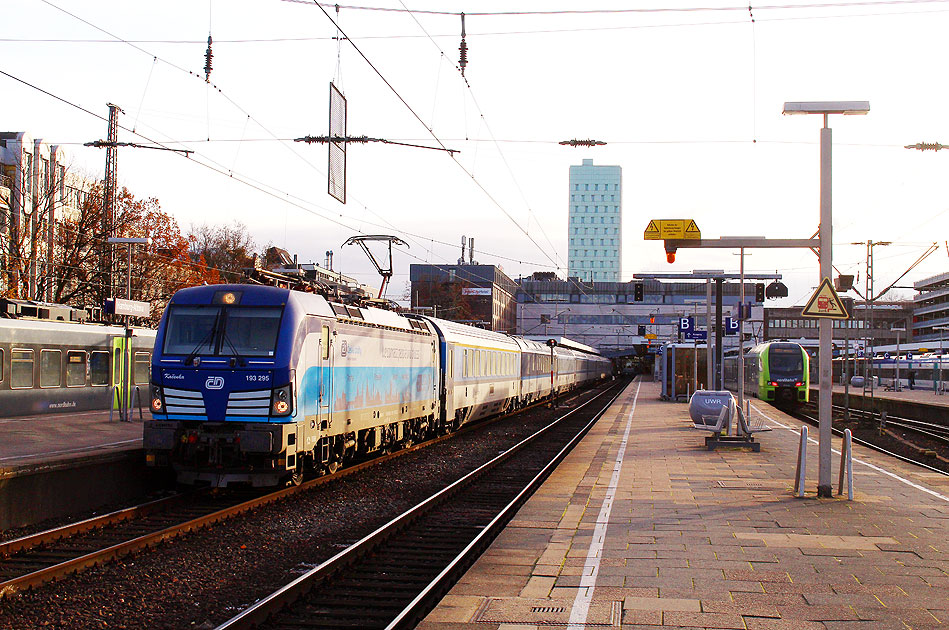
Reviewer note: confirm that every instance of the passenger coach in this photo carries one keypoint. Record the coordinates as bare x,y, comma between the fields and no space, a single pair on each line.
54,366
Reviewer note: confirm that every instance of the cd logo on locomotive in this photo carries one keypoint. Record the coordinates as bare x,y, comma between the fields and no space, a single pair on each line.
214,382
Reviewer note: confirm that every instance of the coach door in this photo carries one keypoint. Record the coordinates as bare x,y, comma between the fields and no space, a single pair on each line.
326,378
119,371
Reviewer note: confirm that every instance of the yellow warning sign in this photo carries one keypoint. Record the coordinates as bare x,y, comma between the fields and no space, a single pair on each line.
825,303
663,229
652,231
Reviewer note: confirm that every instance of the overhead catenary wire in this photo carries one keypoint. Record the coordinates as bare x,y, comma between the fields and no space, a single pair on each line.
483,120
340,37
454,158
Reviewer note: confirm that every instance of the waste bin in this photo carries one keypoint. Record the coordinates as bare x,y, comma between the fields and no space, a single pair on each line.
705,405
857,381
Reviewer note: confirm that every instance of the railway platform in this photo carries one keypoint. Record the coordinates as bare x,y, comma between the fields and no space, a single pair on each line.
30,441
641,527
57,464
925,396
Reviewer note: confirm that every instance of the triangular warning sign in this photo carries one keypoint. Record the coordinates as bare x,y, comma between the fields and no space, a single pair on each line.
825,303
692,228
652,231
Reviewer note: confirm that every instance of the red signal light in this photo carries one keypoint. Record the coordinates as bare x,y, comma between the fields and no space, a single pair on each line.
670,257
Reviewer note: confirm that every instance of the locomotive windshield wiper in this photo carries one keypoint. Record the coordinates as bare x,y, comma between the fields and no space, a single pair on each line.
206,340
237,354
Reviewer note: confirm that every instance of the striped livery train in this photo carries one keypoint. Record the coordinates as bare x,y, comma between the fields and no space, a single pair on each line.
775,371
61,366
255,384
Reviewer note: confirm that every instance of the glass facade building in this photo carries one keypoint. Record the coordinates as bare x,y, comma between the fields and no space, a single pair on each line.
594,228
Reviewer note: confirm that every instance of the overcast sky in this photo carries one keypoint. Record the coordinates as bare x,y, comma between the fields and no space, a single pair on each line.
688,96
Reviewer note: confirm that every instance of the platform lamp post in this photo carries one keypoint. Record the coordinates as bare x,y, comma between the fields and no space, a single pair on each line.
825,109
942,330
126,412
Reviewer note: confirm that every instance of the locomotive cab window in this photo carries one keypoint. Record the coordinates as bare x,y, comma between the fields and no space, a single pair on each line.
21,369
247,331
75,368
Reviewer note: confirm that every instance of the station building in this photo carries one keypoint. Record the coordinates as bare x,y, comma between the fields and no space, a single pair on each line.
606,315
478,295
931,308
595,224
867,326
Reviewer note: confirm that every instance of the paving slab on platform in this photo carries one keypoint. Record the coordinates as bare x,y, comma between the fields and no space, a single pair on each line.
640,527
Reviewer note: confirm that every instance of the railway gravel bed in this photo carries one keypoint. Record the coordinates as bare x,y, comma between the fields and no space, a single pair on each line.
201,580
901,441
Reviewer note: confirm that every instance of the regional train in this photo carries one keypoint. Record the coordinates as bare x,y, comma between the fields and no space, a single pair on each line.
777,372
257,384
930,369
64,366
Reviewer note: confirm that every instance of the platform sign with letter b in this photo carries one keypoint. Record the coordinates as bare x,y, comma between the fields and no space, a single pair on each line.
686,325
731,326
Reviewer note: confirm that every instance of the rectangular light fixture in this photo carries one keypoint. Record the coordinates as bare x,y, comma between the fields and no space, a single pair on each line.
129,241
827,107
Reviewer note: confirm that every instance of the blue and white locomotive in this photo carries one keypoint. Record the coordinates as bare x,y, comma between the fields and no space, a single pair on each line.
255,384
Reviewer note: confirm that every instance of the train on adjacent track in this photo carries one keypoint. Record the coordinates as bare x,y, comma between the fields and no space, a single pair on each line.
49,364
777,372
257,384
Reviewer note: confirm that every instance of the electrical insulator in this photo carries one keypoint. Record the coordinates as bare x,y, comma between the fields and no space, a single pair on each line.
207,62
463,48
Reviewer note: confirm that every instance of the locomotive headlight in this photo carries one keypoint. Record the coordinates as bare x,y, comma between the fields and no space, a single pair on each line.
281,401
157,404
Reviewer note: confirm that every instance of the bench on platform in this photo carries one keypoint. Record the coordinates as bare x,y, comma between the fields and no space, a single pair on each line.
717,424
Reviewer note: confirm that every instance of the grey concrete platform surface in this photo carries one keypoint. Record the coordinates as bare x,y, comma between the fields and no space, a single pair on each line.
58,464
642,527
47,438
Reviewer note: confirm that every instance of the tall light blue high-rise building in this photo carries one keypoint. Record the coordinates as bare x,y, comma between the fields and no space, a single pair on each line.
595,228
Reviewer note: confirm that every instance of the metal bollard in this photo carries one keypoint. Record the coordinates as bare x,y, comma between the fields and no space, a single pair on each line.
801,465
846,465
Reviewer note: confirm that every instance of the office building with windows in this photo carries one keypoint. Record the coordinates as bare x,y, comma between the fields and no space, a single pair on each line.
594,228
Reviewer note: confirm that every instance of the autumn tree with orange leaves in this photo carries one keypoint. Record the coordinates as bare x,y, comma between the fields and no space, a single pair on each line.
158,270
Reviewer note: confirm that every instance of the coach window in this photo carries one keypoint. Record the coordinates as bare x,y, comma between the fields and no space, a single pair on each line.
75,368
140,368
51,367
21,369
99,368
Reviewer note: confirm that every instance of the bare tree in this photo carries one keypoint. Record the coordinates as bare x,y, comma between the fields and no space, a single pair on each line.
226,248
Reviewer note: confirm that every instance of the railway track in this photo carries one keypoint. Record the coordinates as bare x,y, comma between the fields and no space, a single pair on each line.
39,558
933,431
394,576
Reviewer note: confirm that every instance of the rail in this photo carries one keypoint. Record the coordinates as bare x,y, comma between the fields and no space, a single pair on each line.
260,611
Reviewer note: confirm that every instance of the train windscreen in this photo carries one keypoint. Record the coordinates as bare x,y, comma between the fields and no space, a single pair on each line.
785,360
243,331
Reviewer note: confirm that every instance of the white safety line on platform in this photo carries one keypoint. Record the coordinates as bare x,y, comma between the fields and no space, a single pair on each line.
860,461
591,568
72,450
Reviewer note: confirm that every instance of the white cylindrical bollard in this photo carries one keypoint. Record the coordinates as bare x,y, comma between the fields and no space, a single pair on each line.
801,464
